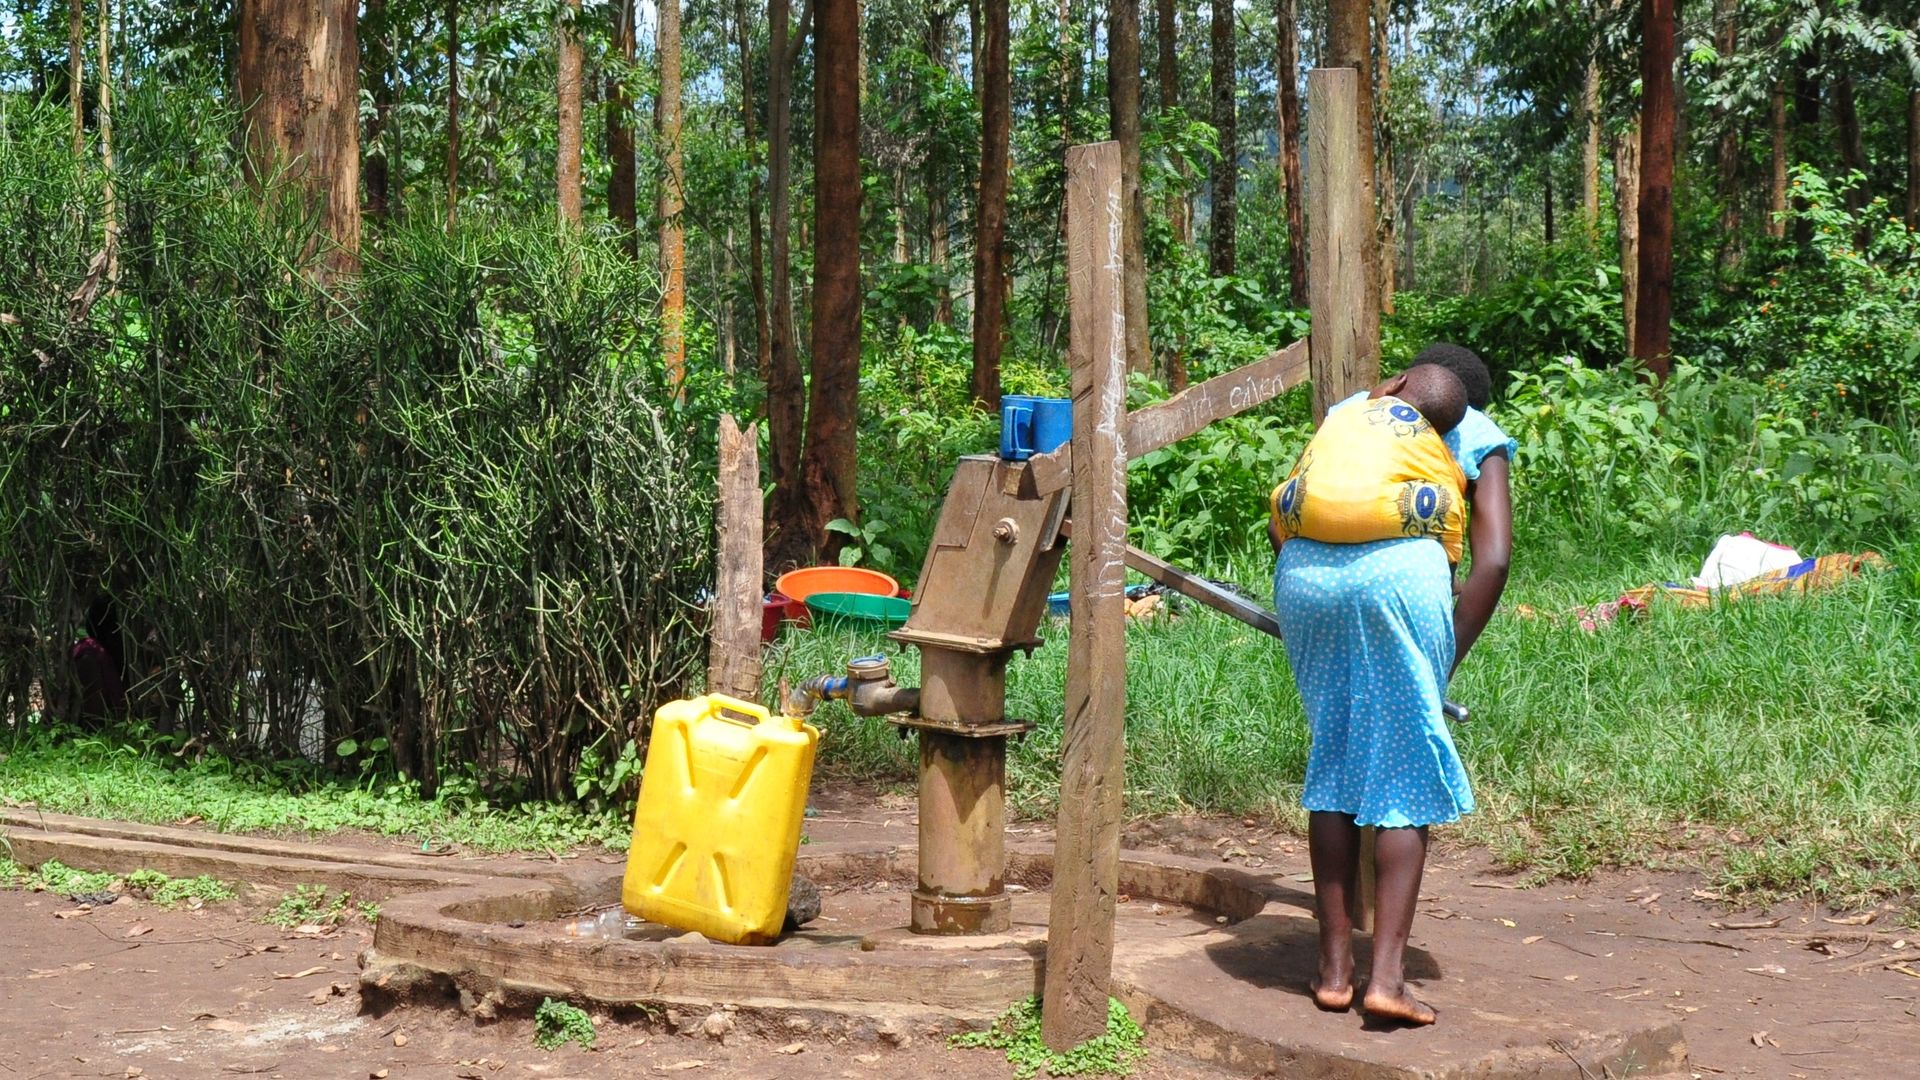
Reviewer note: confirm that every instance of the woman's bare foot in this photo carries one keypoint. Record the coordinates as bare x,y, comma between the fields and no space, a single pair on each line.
1331,994
1399,1005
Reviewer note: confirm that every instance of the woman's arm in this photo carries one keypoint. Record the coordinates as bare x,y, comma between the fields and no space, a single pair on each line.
1490,539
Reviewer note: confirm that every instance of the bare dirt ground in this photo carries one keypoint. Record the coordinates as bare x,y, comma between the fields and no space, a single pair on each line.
130,990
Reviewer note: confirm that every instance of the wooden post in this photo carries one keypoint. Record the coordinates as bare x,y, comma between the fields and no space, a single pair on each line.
733,651
1339,228
1086,858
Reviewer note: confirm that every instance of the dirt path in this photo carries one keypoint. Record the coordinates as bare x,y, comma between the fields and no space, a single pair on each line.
1802,997
131,990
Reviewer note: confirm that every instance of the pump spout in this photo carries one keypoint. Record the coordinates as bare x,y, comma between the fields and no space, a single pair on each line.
867,688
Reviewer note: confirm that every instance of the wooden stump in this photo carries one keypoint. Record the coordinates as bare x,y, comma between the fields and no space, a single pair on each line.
733,651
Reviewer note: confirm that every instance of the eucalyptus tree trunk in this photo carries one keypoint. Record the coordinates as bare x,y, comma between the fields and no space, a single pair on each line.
299,77
1654,304
453,113
990,219
1727,41
77,73
1123,99
1387,185
622,185
673,239
1224,219
786,385
756,238
1167,63
1286,65
1590,149
567,140
1777,173
375,166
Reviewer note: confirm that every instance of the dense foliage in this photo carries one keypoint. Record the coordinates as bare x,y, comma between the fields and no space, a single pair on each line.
444,513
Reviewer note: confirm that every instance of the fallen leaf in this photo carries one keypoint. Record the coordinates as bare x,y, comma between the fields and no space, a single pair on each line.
191,819
1759,1038
1704,895
1492,885
135,1070
312,929
138,930
1508,923
1768,969
1571,978
1649,898
73,913
317,969
377,1074
790,1048
1861,919
1301,877
1532,939
52,973
682,1066
1750,924
223,1024
866,1059
1904,970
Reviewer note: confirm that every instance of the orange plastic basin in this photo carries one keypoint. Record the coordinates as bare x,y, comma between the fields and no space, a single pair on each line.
800,584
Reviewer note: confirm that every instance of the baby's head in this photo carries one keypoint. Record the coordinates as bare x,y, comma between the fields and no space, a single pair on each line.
1465,363
1434,390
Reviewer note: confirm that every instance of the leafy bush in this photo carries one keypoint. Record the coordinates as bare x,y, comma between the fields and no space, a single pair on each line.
1562,301
556,1023
447,504
1837,328
1606,459
1111,1053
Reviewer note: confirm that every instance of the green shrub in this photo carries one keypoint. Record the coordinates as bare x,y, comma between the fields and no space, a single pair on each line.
1112,1053
1837,327
446,509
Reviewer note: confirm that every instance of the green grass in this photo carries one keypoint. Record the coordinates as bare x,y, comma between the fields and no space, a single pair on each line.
62,880
1774,743
1112,1053
556,1023
102,778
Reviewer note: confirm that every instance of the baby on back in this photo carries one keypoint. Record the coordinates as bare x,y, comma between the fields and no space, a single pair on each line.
1379,469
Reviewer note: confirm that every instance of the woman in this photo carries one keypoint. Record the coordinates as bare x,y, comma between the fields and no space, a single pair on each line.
1373,632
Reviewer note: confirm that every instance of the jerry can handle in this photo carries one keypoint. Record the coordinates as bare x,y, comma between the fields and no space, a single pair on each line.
729,708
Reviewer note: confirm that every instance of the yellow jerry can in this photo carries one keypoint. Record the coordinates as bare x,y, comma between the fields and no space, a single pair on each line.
718,823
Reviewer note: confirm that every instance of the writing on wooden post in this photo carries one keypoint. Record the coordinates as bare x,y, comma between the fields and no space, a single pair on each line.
1339,226
1086,861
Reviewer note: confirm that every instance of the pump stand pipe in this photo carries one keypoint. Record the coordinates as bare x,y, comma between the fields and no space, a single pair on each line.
867,688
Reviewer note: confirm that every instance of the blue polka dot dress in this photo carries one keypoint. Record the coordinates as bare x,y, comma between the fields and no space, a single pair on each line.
1369,635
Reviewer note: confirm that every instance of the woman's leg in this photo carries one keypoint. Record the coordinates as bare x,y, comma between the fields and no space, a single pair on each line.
1333,846
1400,857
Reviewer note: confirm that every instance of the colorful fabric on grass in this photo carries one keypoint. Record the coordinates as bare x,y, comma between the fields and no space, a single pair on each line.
1808,575
1369,635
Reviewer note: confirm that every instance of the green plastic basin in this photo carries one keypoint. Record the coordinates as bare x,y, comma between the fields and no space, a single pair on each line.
859,609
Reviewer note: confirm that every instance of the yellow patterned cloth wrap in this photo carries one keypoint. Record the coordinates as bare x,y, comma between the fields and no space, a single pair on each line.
1375,470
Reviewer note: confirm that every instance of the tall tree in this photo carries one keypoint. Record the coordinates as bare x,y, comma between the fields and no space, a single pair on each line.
1123,99
299,78
1350,44
1853,147
567,139
1590,148
788,538
1286,66
76,73
453,113
756,232
622,199
990,218
830,464
1913,158
1654,305
673,240
1726,42
1386,184
1626,183
939,20
380,63
1166,29
1777,171
104,118
1225,181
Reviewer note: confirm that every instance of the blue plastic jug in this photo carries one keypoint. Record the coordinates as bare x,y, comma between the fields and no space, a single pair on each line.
1033,425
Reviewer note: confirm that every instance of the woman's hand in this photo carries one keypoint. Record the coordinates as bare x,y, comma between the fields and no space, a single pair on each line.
1490,539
